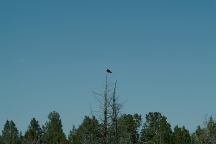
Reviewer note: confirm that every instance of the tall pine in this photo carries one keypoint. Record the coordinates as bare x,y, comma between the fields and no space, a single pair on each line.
10,134
34,132
52,131
156,130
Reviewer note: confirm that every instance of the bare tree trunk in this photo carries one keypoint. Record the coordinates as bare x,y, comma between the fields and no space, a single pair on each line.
115,115
105,122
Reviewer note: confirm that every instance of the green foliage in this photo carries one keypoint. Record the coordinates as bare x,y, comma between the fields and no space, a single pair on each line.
211,127
21,139
156,129
128,128
89,132
52,131
10,134
1,140
200,136
34,132
181,136
74,137
205,135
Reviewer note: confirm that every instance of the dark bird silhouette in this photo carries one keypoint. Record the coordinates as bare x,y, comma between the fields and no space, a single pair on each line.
109,71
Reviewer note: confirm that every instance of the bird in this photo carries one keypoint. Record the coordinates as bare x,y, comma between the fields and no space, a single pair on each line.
108,71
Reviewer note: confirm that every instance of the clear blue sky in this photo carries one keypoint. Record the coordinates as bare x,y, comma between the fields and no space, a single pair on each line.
53,55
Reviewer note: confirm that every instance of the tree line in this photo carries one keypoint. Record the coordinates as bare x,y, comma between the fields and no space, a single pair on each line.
111,128
131,129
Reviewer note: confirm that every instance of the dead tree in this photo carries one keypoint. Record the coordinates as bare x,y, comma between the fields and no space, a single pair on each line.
110,112
115,110
105,111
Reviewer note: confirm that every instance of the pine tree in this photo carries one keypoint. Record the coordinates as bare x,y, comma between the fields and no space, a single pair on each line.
128,128
74,137
52,131
10,134
181,136
1,140
206,134
89,132
34,132
156,129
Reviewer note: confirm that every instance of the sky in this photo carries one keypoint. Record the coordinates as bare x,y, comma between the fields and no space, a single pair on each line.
53,57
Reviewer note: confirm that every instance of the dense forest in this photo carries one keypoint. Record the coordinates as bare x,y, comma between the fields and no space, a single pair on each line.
110,127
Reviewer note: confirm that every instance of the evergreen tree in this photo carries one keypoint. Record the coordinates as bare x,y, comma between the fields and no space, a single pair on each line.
181,136
205,135
21,139
34,132
10,134
156,130
52,131
74,137
128,128
211,127
89,132
200,136
1,140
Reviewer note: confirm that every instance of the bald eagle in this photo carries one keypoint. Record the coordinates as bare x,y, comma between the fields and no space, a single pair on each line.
109,71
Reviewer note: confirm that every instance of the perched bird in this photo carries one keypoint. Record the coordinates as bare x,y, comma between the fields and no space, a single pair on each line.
109,71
